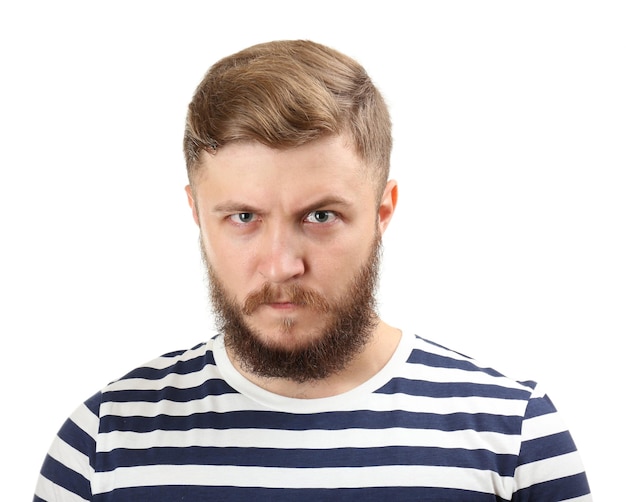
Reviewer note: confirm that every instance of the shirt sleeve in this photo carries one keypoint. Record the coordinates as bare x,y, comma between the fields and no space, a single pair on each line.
549,467
68,468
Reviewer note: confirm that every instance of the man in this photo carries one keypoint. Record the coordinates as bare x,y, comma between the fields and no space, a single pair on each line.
304,394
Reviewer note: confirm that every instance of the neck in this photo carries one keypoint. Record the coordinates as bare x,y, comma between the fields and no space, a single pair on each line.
363,366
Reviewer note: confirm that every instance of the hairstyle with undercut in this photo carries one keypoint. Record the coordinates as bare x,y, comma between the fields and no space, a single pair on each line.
284,94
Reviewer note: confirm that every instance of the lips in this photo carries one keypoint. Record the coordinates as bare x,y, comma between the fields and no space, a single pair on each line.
283,305
285,298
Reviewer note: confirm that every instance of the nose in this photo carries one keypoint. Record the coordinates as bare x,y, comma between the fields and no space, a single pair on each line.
280,255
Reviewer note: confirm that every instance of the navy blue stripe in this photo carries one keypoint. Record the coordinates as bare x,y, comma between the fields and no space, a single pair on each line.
324,421
77,438
176,353
179,367
418,356
93,403
528,383
451,389
558,489
435,344
230,494
504,465
438,361
218,387
66,477
207,388
546,447
539,406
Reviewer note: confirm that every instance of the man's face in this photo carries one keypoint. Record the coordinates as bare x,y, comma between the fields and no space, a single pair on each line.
291,238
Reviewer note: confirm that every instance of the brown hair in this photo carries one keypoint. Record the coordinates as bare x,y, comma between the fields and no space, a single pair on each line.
284,94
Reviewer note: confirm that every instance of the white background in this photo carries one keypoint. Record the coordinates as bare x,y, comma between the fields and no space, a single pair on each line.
509,240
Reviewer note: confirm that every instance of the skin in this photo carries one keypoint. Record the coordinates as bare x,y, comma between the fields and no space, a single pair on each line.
305,215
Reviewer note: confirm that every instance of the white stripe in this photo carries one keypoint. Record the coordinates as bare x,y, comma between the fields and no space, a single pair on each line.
165,362
186,381
47,490
423,345
379,402
416,371
313,439
541,426
84,418
70,457
431,374
440,477
548,469
538,392
584,498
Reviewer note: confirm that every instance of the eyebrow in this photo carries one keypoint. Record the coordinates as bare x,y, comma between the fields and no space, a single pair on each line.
232,206
325,202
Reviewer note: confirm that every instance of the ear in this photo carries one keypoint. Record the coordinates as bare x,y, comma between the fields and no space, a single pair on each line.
192,204
387,205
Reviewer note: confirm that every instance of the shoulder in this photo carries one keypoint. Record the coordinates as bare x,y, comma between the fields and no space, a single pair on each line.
177,369
453,372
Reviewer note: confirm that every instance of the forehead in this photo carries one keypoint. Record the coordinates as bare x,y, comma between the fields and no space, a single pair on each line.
330,163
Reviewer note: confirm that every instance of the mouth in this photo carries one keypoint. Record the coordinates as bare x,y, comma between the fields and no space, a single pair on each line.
283,305
285,300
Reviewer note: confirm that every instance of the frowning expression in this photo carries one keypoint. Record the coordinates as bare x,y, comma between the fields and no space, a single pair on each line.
271,220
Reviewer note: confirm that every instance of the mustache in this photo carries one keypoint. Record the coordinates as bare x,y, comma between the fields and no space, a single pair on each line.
293,293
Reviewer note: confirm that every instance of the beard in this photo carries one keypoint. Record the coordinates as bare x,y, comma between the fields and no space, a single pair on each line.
350,323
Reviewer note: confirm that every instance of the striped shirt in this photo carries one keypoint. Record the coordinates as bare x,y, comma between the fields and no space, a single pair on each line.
431,425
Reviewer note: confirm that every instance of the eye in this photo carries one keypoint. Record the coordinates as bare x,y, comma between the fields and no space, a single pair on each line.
322,216
242,217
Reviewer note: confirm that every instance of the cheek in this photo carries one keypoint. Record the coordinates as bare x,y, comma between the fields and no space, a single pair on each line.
233,266
337,265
